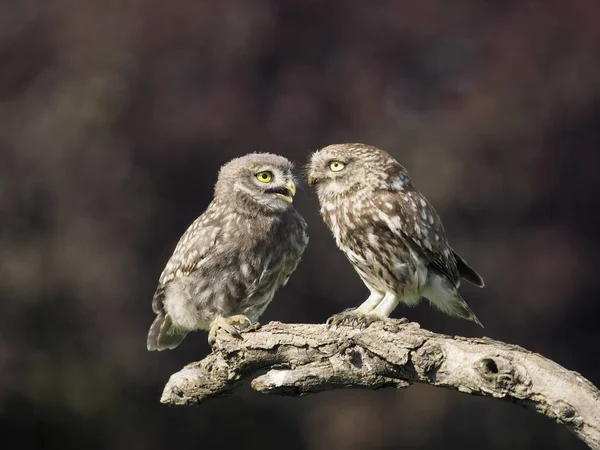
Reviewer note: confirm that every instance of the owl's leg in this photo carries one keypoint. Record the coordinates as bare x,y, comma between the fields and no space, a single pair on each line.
360,316
232,325
387,305
370,303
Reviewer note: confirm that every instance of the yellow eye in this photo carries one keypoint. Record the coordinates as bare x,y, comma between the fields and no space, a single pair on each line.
336,166
265,176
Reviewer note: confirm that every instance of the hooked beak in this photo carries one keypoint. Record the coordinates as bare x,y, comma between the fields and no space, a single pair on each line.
291,187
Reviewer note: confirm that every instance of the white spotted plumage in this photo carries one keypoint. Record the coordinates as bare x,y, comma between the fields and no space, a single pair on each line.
388,230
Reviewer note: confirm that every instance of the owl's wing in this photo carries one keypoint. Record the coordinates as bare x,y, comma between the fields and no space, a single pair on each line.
301,241
415,220
296,236
196,244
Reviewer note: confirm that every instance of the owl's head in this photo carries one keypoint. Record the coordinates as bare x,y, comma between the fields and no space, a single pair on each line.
262,180
346,169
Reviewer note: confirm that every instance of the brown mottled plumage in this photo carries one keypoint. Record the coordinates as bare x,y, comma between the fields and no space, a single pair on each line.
388,230
231,260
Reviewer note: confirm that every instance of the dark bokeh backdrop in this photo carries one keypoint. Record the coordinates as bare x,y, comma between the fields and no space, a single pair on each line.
116,115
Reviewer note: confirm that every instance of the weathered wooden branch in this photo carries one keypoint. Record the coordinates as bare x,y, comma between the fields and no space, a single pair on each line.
301,359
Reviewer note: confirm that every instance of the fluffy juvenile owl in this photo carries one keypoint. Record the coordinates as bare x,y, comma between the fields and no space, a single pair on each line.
228,264
389,232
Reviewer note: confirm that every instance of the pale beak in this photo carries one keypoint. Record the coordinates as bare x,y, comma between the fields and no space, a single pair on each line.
291,187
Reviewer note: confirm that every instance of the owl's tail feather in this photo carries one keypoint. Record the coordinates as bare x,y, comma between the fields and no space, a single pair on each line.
163,335
466,272
456,307
463,310
443,296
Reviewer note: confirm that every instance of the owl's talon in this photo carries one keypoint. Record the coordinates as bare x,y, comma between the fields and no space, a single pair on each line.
253,326
352,318
235,333
232,325
335,320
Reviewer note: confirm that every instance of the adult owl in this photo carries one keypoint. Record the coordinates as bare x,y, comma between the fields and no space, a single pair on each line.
389,232
228,264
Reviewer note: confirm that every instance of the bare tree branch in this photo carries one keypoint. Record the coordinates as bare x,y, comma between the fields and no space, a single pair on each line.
301,359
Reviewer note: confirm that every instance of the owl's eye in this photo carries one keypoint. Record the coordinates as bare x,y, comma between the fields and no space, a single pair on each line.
265,176
336,166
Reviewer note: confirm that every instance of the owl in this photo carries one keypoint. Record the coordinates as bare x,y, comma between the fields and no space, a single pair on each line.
228,264
389,232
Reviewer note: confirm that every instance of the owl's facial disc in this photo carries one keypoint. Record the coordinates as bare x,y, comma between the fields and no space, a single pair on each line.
328,171
270,186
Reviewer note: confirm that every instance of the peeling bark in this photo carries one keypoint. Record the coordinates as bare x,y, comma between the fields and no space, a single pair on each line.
303,358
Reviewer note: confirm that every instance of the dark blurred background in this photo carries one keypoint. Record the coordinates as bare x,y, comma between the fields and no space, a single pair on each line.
116,115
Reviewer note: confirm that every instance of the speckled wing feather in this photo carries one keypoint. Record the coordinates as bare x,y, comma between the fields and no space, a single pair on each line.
420,227
292,244
295,253
195,245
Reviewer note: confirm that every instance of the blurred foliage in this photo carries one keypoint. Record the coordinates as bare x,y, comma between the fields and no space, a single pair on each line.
115,117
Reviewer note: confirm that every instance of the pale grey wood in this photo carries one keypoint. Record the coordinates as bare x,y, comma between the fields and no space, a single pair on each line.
305,358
